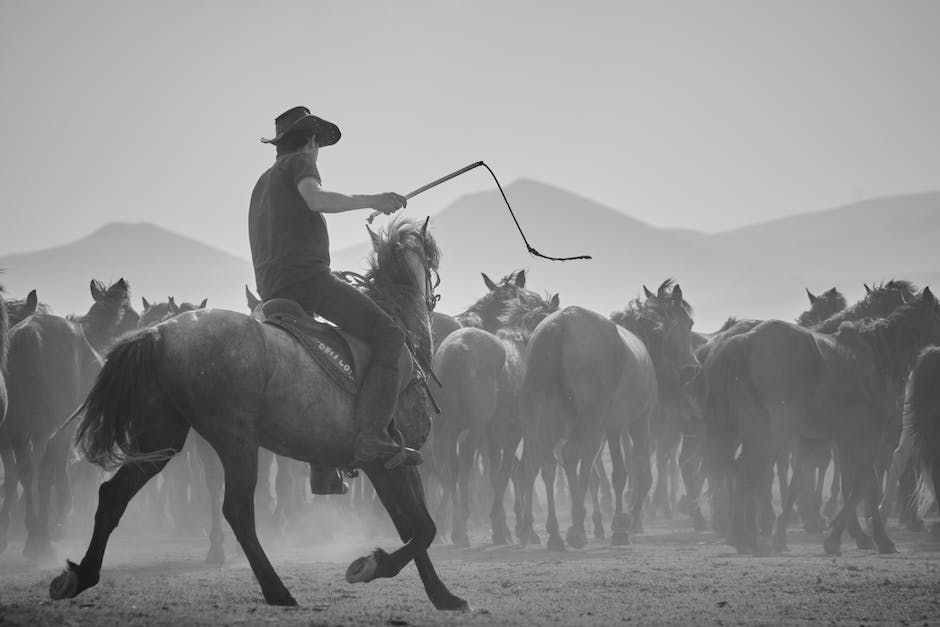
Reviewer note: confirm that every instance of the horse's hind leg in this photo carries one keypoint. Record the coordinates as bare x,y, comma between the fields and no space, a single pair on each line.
620,525
502,459
240,463
401,492
113,497
212,468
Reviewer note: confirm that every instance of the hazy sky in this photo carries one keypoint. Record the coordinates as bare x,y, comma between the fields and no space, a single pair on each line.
704,115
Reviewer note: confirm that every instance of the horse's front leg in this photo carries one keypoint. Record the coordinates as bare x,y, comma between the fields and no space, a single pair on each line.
402,495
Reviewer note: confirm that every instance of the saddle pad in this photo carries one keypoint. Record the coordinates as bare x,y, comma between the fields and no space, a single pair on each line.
340,354
324,344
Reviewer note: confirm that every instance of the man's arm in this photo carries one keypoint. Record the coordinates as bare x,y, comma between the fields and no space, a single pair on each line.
322,201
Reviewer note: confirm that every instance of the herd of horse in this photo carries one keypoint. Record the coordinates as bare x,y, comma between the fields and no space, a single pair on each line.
508,390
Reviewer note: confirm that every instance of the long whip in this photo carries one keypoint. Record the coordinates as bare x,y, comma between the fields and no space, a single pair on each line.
444,179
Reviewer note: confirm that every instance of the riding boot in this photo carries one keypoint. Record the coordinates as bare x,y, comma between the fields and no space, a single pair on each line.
374,409
327,480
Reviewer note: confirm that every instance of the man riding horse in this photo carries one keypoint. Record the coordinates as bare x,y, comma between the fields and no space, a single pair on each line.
291,257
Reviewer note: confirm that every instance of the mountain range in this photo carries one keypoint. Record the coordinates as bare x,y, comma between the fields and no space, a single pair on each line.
759,270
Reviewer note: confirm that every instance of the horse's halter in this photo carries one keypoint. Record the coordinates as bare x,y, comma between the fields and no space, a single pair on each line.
430,298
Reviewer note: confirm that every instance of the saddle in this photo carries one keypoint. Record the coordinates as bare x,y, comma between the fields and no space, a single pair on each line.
342,356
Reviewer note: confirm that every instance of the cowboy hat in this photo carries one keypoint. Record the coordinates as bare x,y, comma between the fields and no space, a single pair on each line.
300,119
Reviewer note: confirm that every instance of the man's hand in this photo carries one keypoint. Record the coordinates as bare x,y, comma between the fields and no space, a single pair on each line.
389,203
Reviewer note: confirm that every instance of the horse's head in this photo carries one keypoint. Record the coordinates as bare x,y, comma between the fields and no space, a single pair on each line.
486,311
885,298
111,314
405,254
822,307
928,317
674,316
153,314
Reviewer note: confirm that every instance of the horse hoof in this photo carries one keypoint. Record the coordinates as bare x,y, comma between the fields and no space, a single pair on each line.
555,543
864,542
65,586
500,539
620,538
454,604
699,523
599,532
215,556
576,537
887,548
533,538
285,601
362,570
832,548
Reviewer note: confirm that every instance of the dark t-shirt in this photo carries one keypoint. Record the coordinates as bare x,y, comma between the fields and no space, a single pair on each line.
289,242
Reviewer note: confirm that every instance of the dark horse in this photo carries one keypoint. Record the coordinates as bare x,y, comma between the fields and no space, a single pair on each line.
588,378
780,381
878,302
242,384
52,364
11,313
481,372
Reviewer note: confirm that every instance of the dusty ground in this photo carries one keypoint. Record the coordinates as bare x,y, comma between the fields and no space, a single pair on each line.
668,575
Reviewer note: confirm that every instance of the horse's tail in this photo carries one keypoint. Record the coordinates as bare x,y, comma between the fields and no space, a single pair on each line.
725,377
114,413
923,408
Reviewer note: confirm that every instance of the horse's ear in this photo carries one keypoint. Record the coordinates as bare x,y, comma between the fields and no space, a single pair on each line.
32,301
867,289
145,303
648,293
554,301
661,292
253,301
928,298
832,292
812,299
677,295
174,308
488,282
373,237
121,284
520,279
424,228
97,290
202,305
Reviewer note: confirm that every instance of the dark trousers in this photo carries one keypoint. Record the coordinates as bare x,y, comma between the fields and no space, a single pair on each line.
348,308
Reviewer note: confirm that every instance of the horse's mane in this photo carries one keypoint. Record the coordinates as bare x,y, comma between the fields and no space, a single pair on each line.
869,306
894,339
390,283
522,314
730,322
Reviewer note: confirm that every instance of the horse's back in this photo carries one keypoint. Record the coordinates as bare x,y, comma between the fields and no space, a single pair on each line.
587,361
470,364
258,376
